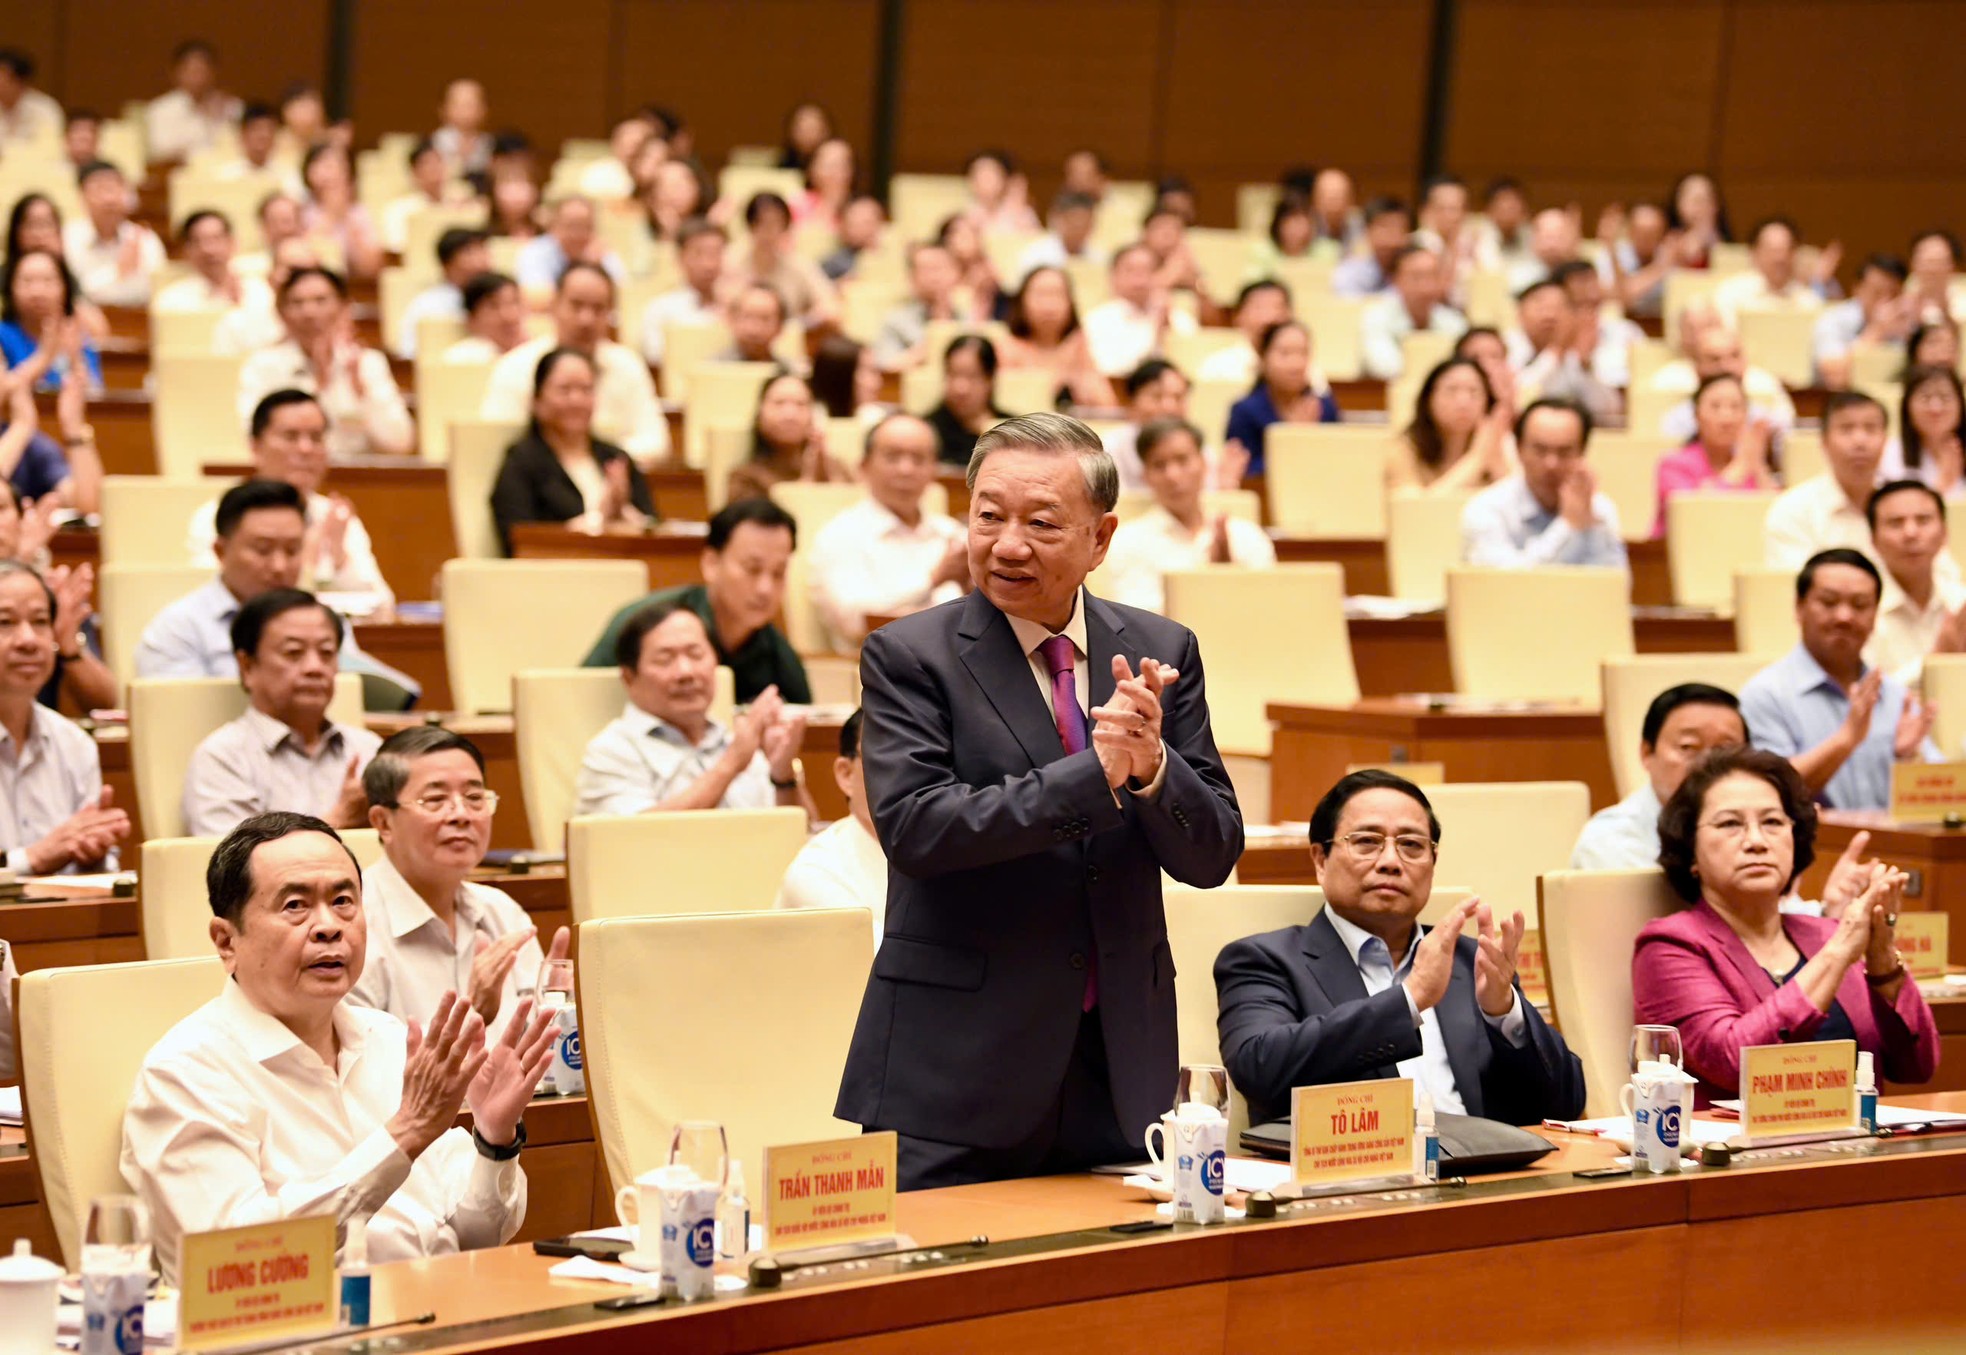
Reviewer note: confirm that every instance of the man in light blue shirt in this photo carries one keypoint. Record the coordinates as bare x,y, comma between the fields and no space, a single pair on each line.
1680,726
1874,314
569,236
462,254
1841,722
1549,512
1370,269
1413,304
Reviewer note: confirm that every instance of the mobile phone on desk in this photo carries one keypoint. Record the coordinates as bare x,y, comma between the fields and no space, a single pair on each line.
594,1248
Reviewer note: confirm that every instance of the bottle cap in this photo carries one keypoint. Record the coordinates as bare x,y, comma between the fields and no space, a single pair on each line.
24,1267
734,1177
1423,1108
1866,1069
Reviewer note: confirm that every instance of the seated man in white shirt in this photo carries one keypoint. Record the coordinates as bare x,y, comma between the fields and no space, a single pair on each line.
665,752
1551,351
1604,343
932,279
214,284
886,555
1259,305
1712,347
1549,512
258,157
1681,725
1773,282
1070,237
290,443
1368,268
699,301
28,116
626,411
570,237
1827,510
757,320
431,931
1156,389
195,112
113,258
284,752
431,185
1129,329
1414,305
462,254
494,320
843,866
1923,609
279,1098
1177,532
322,356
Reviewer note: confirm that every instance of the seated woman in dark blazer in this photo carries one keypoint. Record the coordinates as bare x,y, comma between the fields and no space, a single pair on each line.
1732,970
559,471
1283,392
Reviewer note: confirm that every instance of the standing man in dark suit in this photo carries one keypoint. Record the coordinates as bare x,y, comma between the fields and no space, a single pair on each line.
1035,758
1363,991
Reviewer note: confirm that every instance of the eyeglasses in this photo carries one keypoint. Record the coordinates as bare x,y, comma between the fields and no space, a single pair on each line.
1736,825
475,802
1367,846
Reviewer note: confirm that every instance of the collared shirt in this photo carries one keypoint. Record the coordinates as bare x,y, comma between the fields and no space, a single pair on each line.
1048,251
45,781
1387,321
902,331
256,764
1122,335
626,411
542,259
1505,526
1147,548
765,659
868,561
234,1121
842,867
443,301
798,282
1431,1068
193,638
247,329
35,116
413,959
1749,291
1837,330
1031,634
1905,632
199,293
375,419
473,348
1359,275
1624,836
1812,516
679,306
98,262
359,572
1792,705
640,760
175,124
1122,442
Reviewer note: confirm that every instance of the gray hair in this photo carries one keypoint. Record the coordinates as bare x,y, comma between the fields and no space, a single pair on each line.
1048,432
389,770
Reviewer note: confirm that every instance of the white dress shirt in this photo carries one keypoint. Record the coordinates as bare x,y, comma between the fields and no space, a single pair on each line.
640,760
1031,634
234,1121
175,125
413,959
680,306
198,293
1148,547
1431,1068
373,420
1906,632
35,117
1814,515
1749,291
1624,836
359,572
1121,335
1386,321
842,867
98,262
45,782
626,411
193,638
472,348
868,561
442,301
247,329
1504,526
256,764
1238,363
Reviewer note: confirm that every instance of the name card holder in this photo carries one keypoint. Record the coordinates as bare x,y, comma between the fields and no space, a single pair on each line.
1928,792
1922,940
246,1285
832,1201
1799,1093
1350,1134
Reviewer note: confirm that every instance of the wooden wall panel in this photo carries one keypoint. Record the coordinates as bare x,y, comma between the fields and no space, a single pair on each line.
698,56
33,26
118,50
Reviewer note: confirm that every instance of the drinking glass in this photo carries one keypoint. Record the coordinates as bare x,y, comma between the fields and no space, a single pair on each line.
1655,1045
1207,1083
556,983
700,1146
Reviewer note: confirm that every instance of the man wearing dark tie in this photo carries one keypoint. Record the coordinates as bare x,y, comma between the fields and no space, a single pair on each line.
1035,758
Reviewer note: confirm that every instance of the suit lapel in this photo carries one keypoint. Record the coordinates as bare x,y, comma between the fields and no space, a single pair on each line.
1758,980
989,650
1331,964
1105,636
1460,1031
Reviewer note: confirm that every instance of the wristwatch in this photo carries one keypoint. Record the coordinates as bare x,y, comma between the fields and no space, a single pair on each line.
83,436
1896,971
497,1152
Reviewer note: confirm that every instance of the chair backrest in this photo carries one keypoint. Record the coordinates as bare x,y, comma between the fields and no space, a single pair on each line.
770,1072
132,595
1781,342
1536,634
237,199
721,395
184,331
1498,836
556,712
684,348
194,412
1710,535
1631,683
1326,480
174,903
1945,688
1208,408
170,717
1252,659
564,603
1627,466
77,1069
1189,349
1423,542
711,861
1222,258
477,451
1334,323
1245,504
1803,457
813,504
1764,612
447,394
1590,924
145,518
1490,302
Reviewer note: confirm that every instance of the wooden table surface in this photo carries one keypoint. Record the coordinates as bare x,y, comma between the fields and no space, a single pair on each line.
1395,655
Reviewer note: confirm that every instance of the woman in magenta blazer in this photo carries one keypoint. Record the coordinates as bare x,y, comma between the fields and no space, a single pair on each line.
1733,970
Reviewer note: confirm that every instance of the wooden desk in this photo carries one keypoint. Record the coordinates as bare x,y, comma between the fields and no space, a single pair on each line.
1366,570
673,552
417,648
1934,855
1313,746
1400,654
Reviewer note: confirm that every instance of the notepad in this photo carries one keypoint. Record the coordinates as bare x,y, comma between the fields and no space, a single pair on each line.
10,1106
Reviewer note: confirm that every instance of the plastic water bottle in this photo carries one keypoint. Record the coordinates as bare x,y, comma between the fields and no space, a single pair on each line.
355,1274
565,1075
734,1215
115,1275
1426,1139
1866,1092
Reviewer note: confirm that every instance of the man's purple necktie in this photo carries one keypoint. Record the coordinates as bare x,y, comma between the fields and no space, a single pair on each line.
1059,657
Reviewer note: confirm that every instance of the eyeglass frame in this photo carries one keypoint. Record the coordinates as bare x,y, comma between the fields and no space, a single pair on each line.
458,797
1433,846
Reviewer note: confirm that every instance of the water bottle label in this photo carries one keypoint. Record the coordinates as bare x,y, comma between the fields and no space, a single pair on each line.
1213,1168
701,1244
112,1314
1669,1127
570,1050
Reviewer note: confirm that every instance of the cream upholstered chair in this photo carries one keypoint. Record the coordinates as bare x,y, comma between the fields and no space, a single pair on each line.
1536,634
1222,257
1627,466
564,604
1764,612
1423,542
145,518
1497,837
1245,504
1423,350
170,717
772,1071
712,861
1190,349
1710,535
77,1069
194,413
184,331
739,183
1781,342
1631,683
1802,456
556,712
813,504
1945,687
1490,302
477,450
1326,480
1334,322
684,349
175,905
721,395
132,595
447,393
1590,923
1208,407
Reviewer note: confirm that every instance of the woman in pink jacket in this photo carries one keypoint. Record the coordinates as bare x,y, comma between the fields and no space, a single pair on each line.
1731,449
1733,970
